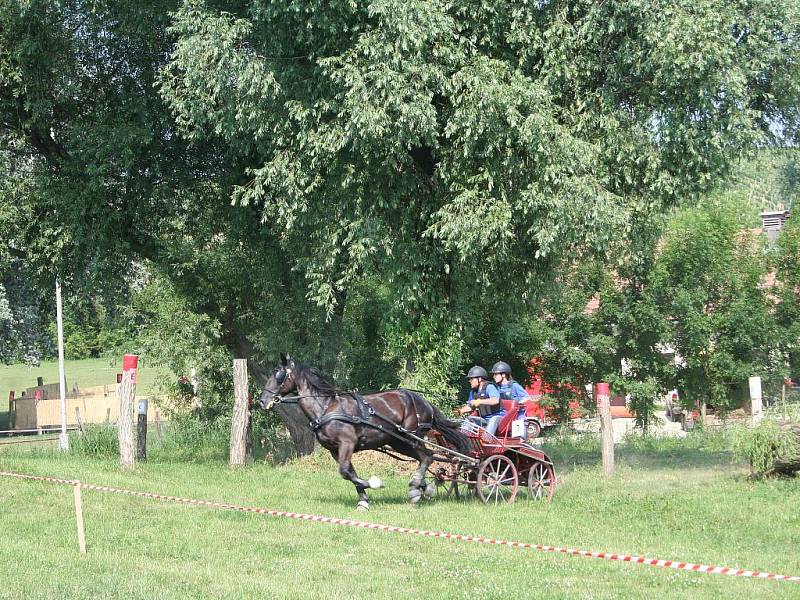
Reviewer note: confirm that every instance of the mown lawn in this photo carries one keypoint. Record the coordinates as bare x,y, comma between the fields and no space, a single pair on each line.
672,499
86,373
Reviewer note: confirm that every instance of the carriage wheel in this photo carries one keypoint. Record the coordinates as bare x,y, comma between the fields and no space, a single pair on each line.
534,429
456,482
467,484
541,482
464,482
497,480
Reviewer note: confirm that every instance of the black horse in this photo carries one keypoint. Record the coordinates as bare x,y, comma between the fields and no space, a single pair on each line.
346,422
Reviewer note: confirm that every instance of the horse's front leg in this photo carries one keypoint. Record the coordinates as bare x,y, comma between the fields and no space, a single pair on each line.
346,470
418,486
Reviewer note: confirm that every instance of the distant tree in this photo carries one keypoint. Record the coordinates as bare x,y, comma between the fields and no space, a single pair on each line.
708,282
788,308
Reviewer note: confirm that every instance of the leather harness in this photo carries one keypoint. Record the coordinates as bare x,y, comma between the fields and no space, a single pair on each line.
366,411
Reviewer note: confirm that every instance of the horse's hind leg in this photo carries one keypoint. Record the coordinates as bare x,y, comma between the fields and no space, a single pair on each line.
418,487
346,470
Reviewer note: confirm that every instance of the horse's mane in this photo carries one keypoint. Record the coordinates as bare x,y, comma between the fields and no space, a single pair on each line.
317,380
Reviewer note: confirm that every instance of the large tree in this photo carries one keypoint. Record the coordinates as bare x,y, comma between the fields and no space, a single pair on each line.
708,280
405,167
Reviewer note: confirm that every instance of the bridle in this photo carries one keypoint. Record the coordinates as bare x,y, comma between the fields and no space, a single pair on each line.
275,395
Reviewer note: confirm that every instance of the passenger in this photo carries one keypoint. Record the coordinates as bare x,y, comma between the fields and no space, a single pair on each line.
510,389
485,398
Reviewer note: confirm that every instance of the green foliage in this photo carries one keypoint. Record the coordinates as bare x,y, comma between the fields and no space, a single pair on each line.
765,444
275,163
184,440
193,440
707,281
770,178
643,396
788,310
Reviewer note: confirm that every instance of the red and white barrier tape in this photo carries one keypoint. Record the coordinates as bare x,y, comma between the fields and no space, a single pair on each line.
654,562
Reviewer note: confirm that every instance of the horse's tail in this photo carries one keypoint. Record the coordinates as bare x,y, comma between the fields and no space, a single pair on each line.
451,430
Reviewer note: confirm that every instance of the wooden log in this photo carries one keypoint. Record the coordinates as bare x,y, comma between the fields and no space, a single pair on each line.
127,393
241,414
603,399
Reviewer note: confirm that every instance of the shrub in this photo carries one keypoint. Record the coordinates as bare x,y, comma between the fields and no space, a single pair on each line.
99,440
189,439
764,445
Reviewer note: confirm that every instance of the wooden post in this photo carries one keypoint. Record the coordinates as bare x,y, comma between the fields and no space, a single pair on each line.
79,421
141,430
127,393
603,399
76,488
241,415
11,409
755,400
158,426
783,400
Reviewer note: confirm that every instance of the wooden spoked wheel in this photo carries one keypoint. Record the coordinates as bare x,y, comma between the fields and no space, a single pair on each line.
498,480
458,481
541,482
440,479
464,481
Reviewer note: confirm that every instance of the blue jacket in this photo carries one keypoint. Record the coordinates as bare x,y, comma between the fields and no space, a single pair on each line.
513,391
490,391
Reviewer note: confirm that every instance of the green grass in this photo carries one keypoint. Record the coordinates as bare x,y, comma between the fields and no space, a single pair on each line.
681,499
86,373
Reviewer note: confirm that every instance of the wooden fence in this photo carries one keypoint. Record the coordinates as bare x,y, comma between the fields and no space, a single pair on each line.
98,404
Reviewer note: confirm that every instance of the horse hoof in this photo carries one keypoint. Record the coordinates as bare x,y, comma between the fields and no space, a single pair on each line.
362,506
414,495
375,482
430,490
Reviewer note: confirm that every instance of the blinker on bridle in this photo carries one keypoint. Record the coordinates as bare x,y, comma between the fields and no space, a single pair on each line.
280,377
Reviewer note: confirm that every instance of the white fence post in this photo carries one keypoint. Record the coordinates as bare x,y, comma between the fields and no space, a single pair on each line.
755,399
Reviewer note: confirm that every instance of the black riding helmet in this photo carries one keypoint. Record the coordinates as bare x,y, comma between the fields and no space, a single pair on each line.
501,367
477,371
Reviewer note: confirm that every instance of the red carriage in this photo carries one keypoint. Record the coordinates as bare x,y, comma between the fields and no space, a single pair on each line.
463,459
495,466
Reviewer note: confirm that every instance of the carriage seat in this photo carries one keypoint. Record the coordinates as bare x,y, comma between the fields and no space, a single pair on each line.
512,413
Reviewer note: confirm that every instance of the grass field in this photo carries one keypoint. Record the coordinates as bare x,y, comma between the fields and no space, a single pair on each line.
86,373
671,499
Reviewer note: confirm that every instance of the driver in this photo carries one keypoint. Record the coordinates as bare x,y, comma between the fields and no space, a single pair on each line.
485,397
510,389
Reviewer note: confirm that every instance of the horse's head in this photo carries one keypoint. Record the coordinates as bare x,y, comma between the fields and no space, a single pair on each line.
282,381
